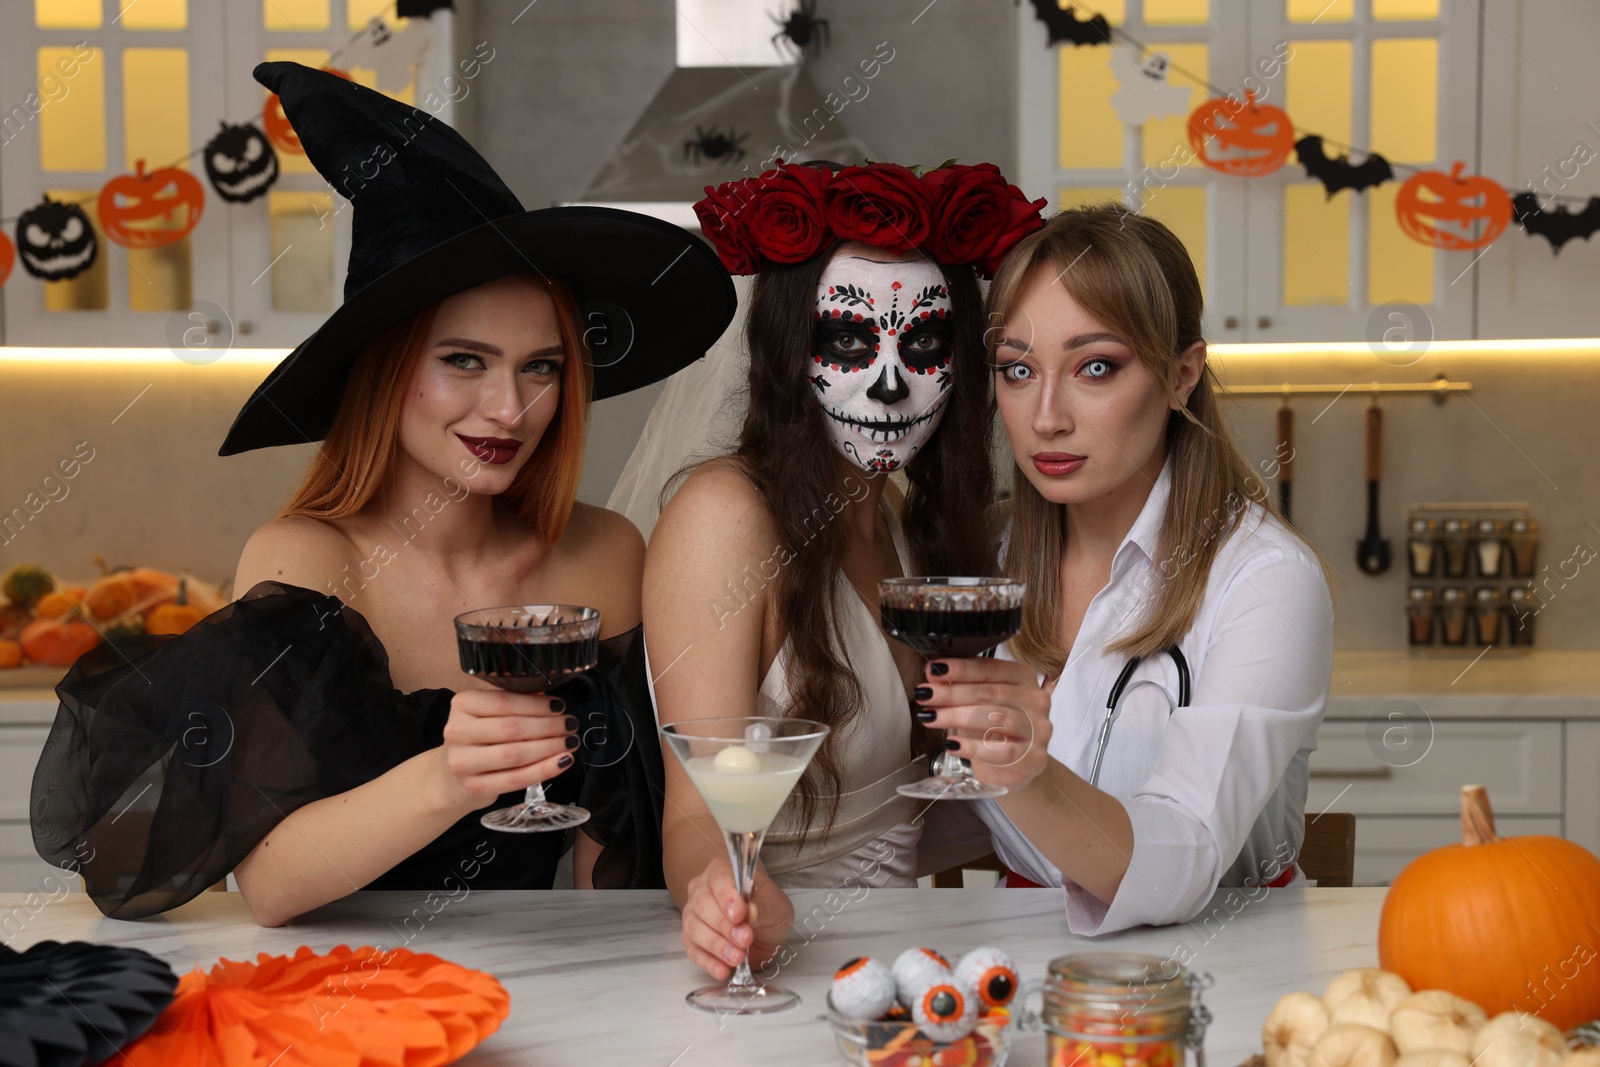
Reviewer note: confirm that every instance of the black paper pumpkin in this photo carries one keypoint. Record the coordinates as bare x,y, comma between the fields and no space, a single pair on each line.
240,162
62,1005
55,240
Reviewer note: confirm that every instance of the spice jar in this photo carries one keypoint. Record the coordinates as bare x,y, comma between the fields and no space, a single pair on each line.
1521,610
1453,615
1122,1009
1486,614
1523,540
1455,548
1420,611
1421,547
1490,548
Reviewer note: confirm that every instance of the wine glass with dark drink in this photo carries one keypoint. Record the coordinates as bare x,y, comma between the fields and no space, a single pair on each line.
951,618
528,648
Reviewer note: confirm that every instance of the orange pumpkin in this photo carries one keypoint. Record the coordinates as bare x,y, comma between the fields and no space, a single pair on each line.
176,617
57,643
112,595
58,602
1248,139
1440,209
1507,923
10,654
138,210
276,123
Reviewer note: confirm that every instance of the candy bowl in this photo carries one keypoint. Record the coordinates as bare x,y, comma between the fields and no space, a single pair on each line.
901,1043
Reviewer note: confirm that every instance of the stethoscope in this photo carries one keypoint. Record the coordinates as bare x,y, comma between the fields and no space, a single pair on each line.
1120,688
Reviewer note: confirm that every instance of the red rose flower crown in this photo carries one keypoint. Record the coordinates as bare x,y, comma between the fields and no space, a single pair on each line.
960,214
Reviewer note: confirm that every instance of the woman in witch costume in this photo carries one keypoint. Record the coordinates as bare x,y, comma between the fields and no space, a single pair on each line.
866,359
318,735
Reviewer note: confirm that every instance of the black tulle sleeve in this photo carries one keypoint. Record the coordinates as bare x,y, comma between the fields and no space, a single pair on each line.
171,757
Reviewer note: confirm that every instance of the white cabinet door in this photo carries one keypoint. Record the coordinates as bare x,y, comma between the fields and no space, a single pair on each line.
1385,845
1583,783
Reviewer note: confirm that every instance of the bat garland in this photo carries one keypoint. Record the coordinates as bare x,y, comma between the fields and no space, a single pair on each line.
1339,173
1063,24
1558,226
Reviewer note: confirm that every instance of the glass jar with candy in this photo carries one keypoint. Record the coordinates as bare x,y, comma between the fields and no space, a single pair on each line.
1119,1009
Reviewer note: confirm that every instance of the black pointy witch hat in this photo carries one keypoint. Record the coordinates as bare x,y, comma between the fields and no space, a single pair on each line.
431,219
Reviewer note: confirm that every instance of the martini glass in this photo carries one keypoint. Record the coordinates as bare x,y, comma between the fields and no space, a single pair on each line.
956,618
744,769
528,648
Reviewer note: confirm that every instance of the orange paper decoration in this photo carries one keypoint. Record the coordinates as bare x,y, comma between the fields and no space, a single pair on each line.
1438,209
1248,139
129,201
364,1007
8,257
276,123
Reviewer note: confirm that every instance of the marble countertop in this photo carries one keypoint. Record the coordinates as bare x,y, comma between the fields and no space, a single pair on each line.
600,977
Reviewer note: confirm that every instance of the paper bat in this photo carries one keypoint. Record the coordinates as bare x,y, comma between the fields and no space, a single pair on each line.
1336,174
411,9
1063,24
1558,226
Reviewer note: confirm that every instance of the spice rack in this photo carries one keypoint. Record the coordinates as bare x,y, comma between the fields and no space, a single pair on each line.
1470,568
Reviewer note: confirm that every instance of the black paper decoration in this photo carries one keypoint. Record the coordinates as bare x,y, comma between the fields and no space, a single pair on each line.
55,240
1558,226
412,9
65,1005
1338,173
240,162
1063,24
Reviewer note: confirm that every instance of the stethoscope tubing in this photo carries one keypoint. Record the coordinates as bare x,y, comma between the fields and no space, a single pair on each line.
1120,688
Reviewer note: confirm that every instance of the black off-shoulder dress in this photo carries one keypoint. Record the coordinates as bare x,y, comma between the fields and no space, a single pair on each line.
171,757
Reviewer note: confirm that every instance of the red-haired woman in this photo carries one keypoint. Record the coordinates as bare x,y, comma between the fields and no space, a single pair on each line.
1162,586
318,735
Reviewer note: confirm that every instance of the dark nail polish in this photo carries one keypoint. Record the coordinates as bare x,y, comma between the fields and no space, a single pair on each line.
572,742
939,667
564,762
557,704
924,715
923,692
572,723
951,743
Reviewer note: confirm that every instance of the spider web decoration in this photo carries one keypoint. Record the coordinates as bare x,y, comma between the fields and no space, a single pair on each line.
62,1005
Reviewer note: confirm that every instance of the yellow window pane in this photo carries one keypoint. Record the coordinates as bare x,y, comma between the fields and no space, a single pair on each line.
1080,195
72,130
302,250
1318,89
1321,11
294,16
153,14
88,291
67,14
160,279
1405,99
1091,133
155,105
295,162
1316,246
1176,12
362,12
1166,140
1398,268
1183,209
1389,10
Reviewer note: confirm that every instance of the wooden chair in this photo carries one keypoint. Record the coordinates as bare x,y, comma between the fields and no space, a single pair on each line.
1327,855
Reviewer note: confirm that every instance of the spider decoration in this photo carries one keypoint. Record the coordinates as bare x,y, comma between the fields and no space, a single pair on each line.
803,29
713,145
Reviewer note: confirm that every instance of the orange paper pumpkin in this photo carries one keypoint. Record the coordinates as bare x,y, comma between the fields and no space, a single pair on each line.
129,203
1247,139
276,123
8,257
1440,209
1511,924
361,1007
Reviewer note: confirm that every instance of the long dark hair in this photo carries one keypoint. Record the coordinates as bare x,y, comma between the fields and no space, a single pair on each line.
785,451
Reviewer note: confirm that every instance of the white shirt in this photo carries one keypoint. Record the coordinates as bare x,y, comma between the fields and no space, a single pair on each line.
1215,792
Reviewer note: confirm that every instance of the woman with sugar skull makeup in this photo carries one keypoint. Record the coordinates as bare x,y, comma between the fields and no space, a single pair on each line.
760,592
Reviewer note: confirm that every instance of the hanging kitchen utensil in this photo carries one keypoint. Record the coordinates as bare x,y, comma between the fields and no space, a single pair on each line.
1372,551
1285,456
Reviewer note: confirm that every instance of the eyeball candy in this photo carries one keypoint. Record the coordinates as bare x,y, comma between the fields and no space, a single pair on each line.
989,973
863,989
915,969
944,1010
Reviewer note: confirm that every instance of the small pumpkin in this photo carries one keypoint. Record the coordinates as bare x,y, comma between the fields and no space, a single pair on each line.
25,583
10,654
112,595
176,617
59,602
57,642
1491,919
124,627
